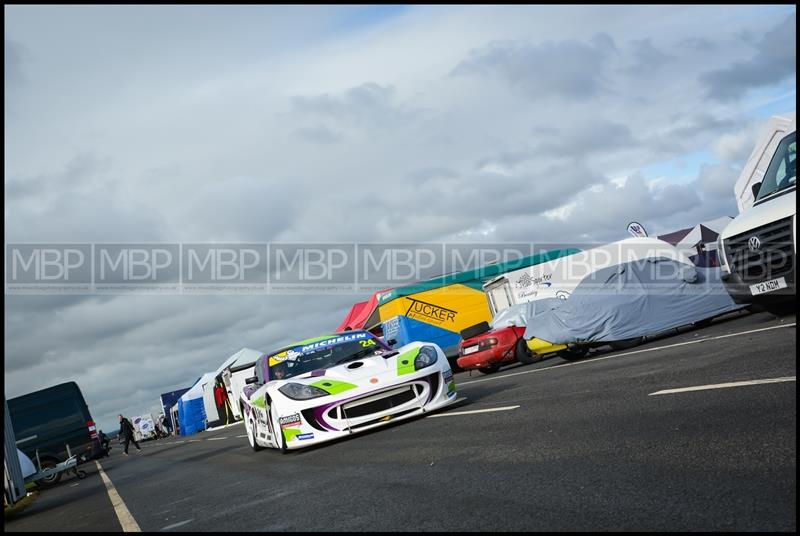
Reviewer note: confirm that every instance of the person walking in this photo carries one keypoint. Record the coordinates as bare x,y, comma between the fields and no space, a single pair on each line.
126,432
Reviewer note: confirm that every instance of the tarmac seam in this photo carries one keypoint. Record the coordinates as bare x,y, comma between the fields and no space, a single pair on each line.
124,515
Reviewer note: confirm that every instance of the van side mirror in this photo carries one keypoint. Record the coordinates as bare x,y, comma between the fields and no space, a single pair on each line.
756,188
251,380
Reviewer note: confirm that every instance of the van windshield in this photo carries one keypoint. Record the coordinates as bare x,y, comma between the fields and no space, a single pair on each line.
782,171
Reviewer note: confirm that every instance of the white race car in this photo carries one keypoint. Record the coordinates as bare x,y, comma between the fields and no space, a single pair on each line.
329,387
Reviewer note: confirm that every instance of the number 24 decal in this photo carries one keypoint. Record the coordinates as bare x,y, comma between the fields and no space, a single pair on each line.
367,343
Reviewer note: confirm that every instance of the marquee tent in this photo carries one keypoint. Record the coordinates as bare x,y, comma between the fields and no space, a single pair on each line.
215,394
363,315
191,413
699,243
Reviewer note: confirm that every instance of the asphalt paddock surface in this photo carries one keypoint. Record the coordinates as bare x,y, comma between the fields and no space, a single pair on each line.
564,446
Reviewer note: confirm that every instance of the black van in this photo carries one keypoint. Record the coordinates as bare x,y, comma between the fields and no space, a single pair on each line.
49,420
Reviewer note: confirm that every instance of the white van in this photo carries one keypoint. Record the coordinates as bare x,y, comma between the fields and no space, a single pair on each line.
559,277
757,249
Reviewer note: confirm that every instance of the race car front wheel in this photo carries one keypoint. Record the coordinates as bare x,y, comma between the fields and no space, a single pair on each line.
280,433
251,436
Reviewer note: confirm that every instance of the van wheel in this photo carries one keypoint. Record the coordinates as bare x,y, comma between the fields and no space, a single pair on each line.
524,354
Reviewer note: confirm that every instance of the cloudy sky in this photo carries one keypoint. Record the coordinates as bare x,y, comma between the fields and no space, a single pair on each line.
388,123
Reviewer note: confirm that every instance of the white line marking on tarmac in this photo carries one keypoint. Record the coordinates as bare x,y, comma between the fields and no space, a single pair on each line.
242,435
215,438
724,385
123,514
454,413
179,524
596,359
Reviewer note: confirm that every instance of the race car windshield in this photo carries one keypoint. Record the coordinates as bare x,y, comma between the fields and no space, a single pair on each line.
289,364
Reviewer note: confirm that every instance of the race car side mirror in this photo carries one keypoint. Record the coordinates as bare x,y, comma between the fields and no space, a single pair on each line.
391,342
250,380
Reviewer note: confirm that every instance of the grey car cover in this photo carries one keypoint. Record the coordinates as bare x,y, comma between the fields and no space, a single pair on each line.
621,302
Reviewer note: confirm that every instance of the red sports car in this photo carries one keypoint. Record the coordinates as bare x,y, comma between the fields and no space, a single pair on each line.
488,349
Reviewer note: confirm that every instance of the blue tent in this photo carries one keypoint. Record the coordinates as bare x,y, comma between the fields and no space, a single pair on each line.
168,400
191,413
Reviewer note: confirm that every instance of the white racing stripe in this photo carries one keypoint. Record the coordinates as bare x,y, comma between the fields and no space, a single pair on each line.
123,514
596,359
455,413
724,385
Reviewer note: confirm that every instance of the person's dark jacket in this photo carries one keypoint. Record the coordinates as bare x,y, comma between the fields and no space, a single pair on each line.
125,428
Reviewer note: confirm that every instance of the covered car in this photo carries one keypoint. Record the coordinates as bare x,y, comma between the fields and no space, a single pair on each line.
621,304
329,387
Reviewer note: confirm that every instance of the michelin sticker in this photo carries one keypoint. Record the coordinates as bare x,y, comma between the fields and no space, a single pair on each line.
330,342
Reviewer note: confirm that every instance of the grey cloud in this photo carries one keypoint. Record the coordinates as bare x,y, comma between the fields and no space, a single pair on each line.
697,43
369,104
254,209
647,58
579,139
572,69
318,134
688,134
774,61
431,172
717,180
527,191
77,174
586,137
507,159
14,55
620,205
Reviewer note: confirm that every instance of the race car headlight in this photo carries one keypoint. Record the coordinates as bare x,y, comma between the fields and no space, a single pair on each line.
299,391
426,357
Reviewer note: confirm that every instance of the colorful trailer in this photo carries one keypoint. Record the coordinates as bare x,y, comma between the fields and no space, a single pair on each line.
438,309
